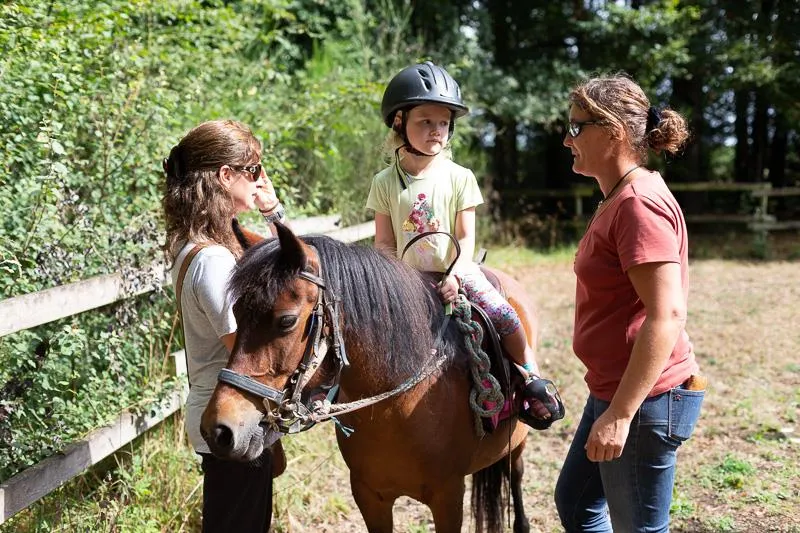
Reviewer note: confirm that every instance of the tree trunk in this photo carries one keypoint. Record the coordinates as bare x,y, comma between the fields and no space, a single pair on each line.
505,159
742,153
758,156
693,166
504,155
760,153
778,151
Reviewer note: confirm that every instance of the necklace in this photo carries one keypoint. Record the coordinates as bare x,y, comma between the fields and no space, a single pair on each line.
616,186
610,195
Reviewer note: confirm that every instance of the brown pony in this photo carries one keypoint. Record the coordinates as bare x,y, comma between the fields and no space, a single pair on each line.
316,316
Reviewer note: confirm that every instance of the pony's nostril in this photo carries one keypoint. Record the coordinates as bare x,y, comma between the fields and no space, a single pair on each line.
223,436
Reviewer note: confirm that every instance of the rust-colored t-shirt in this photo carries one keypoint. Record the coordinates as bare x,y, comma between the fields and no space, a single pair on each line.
641,224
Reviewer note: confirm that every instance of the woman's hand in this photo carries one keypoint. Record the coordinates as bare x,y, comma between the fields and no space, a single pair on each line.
448,289
266,198
607,437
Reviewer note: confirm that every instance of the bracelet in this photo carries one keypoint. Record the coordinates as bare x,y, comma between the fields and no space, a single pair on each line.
271,209
277,215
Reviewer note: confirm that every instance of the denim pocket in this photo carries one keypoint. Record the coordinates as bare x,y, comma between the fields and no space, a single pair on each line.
684,410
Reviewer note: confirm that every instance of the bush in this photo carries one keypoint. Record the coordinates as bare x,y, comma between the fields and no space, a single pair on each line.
95,94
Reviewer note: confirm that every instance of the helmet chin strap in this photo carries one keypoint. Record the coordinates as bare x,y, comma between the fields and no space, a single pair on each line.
413,151
402,175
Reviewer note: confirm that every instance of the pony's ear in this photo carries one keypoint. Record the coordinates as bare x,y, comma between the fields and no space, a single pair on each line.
293,256
246,238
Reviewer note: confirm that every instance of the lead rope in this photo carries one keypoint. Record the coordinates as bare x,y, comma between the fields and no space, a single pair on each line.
323,410
479,367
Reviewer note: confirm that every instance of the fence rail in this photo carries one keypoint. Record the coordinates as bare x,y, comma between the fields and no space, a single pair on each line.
759,220
35,309
42,307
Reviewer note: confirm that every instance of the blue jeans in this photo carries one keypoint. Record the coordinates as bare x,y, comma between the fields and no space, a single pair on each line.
632,493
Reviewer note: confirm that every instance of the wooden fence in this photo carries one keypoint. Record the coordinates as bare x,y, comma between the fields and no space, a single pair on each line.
759,220
31,310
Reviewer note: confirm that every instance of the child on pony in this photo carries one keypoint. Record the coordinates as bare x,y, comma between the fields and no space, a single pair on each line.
425,190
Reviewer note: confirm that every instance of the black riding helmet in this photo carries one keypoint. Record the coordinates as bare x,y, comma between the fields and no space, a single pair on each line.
424,83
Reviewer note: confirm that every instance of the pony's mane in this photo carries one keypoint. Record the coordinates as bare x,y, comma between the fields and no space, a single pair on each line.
390,312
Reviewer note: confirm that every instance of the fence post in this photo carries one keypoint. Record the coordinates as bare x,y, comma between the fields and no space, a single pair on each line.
578,203
765,201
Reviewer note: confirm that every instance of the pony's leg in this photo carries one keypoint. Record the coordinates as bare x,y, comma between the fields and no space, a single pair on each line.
521,524
447,506
375,508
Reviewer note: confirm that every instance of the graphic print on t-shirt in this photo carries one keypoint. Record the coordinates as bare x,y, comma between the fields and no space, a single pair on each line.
419,220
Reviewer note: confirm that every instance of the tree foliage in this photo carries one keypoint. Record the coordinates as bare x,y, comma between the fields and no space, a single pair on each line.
95,94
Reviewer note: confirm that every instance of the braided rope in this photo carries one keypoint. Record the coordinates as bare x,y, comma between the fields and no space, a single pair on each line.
480,366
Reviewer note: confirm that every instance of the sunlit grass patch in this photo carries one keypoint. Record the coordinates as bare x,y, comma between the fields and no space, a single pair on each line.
682,506
732,473
723,523
304,489
509,257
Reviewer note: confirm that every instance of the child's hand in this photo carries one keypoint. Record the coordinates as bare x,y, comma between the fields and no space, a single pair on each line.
266,198
448,289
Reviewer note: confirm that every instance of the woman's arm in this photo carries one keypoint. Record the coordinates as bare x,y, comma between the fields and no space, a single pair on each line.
658,285
275,215
384,234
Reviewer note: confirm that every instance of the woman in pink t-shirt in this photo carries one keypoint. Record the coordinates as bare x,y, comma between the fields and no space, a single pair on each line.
645,393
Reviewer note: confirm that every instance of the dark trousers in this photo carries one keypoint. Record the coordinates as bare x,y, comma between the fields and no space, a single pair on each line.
237,497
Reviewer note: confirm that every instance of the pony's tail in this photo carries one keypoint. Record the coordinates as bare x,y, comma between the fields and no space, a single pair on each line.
489,495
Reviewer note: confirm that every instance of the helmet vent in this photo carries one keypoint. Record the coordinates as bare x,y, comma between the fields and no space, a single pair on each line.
425,77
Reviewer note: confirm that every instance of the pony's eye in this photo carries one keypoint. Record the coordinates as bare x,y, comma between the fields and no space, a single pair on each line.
288,321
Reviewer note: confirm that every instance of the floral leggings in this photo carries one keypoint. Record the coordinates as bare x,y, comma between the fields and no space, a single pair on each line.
479,290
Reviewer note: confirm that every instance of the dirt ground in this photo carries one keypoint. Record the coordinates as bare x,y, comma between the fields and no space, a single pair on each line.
737,473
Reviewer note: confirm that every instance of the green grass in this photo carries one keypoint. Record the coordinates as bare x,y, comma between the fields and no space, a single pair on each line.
304,489
508,257
737,473
732,473
152,485
722,523
682,507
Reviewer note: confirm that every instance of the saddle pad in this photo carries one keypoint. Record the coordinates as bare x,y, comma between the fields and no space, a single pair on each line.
491,423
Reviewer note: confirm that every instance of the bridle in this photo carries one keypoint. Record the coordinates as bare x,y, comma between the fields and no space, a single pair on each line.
286,410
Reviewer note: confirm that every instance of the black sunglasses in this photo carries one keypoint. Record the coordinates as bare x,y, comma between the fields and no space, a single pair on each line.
254,170
574,127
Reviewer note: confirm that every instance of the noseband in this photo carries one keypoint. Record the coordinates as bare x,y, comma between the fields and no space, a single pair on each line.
285,410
